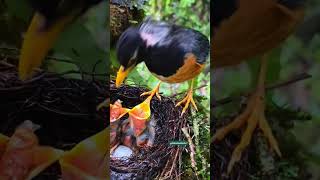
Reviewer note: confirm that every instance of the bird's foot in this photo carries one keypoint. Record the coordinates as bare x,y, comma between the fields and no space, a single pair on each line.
105,103
254,116
153,92
186,101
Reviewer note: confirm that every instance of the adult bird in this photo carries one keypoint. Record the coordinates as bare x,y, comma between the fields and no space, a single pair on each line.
243,29
50,19
172,53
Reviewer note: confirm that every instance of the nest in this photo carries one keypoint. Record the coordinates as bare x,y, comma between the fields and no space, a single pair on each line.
160,160
64,108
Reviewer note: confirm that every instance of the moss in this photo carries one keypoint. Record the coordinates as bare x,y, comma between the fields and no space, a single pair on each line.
121,17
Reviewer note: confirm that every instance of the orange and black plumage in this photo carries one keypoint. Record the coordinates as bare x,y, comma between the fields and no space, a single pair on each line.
243,29
172,53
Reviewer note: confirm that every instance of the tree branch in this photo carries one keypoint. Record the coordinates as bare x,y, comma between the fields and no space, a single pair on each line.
292,80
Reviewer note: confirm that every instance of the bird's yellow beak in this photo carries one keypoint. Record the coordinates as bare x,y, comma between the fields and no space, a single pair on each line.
37,42
122,74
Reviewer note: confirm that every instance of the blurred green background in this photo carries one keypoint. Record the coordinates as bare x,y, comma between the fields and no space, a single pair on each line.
299,54
82,47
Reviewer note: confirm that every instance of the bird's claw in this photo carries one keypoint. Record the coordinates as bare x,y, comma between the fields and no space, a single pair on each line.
151,93
186,101
254,116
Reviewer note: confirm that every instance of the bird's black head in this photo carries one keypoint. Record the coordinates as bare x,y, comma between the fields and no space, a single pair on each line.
128,47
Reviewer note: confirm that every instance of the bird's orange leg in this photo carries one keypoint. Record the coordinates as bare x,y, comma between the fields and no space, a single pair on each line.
153,92
188,99
254,116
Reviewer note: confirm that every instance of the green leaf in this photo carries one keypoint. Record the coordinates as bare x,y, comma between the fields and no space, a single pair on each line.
78,44
19,9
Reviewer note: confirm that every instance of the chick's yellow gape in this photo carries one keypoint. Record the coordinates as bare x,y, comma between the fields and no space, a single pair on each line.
253,29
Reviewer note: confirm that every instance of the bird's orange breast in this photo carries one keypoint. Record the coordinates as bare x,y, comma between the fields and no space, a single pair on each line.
255,28
190,69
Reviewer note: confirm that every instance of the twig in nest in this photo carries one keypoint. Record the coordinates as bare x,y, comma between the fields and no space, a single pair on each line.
192,150
15,55
173,164
295,79
168,174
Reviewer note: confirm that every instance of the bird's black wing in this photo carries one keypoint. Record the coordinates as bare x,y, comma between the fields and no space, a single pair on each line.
192,41
222,9
169,53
